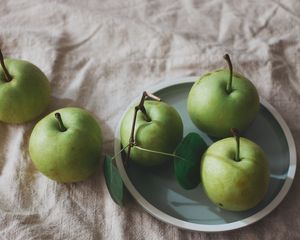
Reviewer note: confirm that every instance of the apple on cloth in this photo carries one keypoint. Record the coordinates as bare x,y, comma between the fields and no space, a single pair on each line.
24,91
66,145
221,100
235,173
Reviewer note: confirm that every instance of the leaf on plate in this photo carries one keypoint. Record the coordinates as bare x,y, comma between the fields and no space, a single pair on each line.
187,170
113,181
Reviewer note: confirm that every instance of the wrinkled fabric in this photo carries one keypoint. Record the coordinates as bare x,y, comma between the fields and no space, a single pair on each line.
101,54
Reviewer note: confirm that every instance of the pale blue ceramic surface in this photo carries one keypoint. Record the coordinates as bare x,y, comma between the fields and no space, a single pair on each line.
159,189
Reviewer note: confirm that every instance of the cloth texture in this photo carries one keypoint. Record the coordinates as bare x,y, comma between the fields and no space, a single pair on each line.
99,55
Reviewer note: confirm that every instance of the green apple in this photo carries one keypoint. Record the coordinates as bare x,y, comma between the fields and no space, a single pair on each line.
160,130
24,91
66,145
221,100
235,180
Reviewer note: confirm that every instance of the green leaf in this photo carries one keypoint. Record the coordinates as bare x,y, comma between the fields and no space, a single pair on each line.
113,181
187,170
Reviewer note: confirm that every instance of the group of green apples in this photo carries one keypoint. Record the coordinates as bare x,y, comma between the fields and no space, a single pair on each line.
66,144
234,170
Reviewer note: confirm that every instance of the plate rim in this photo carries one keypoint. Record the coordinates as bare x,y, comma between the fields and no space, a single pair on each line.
164,217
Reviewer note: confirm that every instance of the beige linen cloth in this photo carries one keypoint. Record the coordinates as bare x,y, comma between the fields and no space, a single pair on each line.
101,54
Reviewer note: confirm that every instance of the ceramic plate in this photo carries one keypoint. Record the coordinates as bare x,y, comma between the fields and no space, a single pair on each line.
158,192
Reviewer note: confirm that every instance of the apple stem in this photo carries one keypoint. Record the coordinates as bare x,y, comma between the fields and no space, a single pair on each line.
6,73
229,83
140,107
61,125
158,152
114,157
235,132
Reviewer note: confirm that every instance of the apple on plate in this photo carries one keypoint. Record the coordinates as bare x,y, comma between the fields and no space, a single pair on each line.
235,173
66,145
221,100
24,91
159,128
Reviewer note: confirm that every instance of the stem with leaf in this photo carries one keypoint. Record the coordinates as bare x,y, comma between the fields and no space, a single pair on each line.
157,152
8,77
114,157
132,143
139,107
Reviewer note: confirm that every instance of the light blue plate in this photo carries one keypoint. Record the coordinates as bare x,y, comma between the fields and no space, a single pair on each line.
160,194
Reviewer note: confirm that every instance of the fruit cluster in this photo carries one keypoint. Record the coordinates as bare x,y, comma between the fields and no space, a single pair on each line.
56,145
234,171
